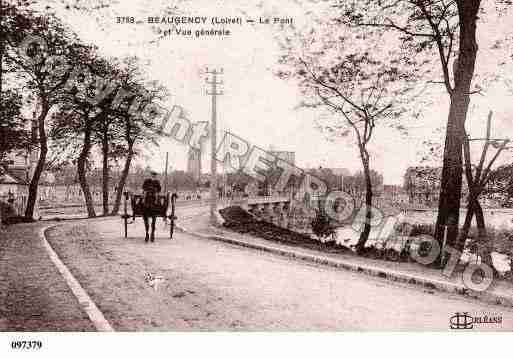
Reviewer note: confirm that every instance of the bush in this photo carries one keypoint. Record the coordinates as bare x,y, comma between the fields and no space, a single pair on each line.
7,211
9,215
322,226
235,215
502,240
498,240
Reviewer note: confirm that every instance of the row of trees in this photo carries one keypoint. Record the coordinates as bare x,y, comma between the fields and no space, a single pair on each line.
177,180
354,184
78,99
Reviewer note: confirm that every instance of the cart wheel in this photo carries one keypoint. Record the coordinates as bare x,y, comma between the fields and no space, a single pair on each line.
125,220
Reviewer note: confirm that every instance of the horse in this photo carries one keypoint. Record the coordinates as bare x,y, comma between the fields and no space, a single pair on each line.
154,206
149,210
150,205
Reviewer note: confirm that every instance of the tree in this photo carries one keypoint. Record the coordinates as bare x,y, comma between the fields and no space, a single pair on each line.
107,127
13,136
344,76
78,114
43,74
42,71
440,29
478,180
136,132
355,184
421,182
92,110
331,180
70,122
132,127
181,180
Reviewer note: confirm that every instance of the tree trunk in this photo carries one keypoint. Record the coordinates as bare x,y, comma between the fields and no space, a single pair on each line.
451,182
122,179
481,226
364,235
1,51
484,240
471,183
81,171
474,208
105,170
43,150
463,235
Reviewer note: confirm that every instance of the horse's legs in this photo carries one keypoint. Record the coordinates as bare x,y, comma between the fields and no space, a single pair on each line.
153,221
146,226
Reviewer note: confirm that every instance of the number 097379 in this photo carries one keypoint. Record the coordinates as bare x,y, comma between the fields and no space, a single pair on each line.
26,344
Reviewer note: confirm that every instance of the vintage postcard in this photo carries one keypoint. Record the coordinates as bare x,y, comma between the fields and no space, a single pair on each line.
241,166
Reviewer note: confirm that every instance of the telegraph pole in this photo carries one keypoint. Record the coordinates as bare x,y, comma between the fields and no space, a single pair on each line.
213,141
165,173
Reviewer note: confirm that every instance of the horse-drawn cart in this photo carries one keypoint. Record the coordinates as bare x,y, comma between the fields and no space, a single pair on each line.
158,209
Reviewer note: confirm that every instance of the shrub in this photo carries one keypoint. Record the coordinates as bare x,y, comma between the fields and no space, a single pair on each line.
7,210
503,240
322,226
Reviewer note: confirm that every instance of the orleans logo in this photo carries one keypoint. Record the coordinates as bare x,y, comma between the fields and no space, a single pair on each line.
462,321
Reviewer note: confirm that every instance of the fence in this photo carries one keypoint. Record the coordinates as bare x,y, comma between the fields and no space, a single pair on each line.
18,203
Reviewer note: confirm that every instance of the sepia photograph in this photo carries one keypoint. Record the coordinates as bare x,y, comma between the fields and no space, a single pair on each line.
262,168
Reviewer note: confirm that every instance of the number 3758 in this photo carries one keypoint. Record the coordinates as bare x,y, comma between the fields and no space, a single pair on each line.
125,19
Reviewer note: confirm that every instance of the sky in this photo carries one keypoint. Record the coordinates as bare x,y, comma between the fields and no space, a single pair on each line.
257,105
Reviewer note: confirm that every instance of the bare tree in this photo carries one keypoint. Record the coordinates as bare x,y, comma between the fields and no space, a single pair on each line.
358,92
478,179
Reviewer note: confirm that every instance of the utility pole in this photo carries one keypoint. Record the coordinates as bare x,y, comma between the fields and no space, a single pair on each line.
165,172
1,45
213,141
